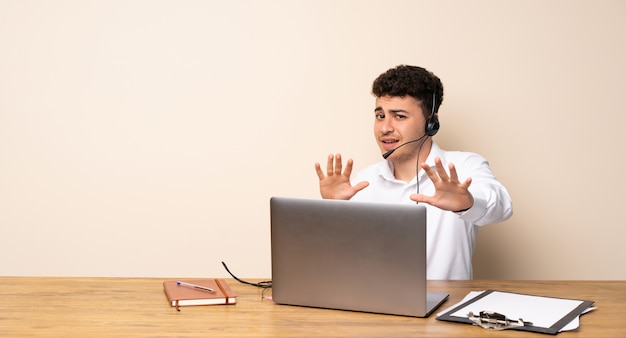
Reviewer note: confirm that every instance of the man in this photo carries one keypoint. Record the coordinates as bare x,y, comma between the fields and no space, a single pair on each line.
458,200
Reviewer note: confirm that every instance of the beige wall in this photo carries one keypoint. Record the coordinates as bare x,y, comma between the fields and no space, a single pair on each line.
144,138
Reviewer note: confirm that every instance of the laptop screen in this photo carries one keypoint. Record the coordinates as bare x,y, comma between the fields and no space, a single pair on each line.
349,255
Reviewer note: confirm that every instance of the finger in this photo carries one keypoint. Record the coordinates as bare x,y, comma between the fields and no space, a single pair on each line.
453,175
348,171
338,164
360,186
420,198
467,183
318,170
440,170
329,165
430,172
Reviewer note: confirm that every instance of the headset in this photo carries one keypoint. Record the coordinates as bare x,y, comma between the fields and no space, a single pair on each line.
432,123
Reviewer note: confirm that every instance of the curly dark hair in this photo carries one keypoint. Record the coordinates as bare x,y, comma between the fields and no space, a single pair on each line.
413,81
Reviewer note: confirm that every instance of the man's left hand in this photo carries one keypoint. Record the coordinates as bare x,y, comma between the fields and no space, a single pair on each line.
450,194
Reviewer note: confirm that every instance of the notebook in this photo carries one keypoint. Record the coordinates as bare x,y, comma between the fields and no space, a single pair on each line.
350,255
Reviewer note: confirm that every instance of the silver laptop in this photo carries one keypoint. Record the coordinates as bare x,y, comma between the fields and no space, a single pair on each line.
351,256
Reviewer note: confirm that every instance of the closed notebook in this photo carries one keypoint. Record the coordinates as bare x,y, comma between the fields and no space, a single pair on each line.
180,295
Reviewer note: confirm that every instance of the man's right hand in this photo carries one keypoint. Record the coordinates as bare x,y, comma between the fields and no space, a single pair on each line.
335,184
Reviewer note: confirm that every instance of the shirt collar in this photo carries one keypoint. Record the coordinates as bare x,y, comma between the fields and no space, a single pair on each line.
385,168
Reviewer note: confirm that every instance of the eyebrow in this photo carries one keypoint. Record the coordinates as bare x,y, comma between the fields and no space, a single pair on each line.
392,110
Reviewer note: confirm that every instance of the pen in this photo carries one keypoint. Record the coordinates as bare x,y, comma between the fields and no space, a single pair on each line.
197,287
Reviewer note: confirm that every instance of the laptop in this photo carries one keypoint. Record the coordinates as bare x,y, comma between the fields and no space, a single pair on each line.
349,255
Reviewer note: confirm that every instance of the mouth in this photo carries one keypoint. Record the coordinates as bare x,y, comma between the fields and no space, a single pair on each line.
388,143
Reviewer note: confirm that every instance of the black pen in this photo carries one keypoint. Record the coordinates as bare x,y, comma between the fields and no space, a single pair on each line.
197,287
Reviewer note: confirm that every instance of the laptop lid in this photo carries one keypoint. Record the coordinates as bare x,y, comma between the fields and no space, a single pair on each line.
350,256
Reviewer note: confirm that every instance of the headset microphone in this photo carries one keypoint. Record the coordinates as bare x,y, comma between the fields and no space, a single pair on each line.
387,154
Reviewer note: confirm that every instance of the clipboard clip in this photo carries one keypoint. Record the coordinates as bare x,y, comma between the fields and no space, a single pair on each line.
495,321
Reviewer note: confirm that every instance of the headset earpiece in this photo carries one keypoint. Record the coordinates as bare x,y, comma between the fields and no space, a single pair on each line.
432,126
432,123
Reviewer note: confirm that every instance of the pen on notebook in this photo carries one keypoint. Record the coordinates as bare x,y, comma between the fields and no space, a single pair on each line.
197,287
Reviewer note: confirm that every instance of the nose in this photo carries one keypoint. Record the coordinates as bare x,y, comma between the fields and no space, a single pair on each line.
386,126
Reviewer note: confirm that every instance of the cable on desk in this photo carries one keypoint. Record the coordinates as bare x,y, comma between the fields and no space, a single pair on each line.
264,284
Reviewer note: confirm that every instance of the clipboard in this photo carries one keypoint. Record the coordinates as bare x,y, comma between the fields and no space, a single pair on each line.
537,313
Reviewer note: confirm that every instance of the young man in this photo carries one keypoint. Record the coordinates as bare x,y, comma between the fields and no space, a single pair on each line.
458,200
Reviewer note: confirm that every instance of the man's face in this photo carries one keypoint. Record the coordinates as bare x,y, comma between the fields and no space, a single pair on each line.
398,120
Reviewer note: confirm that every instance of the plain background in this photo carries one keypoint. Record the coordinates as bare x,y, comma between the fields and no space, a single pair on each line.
145,138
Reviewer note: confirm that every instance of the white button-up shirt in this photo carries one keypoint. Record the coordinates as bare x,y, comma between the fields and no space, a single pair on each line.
451,236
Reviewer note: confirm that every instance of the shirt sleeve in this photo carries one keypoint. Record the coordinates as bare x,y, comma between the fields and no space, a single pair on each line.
492,202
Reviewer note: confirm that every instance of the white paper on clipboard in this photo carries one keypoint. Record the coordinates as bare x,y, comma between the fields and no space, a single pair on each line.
543,312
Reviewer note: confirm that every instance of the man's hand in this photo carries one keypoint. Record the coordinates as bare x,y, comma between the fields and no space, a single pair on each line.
450,194
336,184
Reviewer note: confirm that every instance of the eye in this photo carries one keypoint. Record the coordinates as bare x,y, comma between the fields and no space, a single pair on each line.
380,116
400,117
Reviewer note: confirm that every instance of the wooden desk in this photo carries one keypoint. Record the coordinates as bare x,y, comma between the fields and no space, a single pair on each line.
137,307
